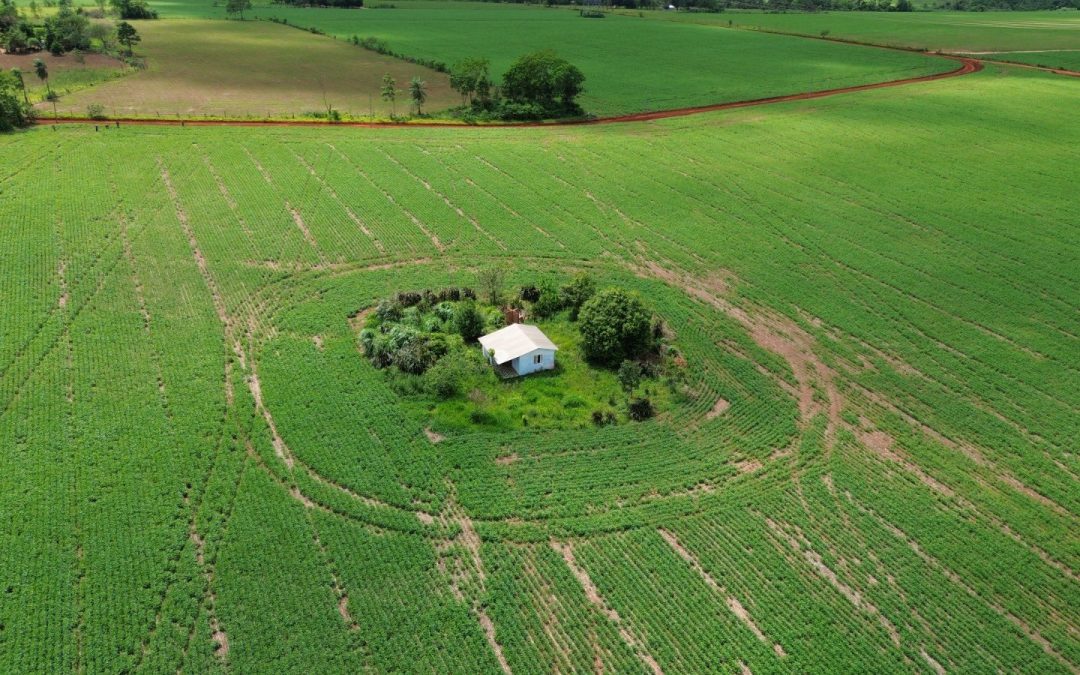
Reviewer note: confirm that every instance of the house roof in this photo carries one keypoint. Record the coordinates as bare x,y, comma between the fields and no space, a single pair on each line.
515,340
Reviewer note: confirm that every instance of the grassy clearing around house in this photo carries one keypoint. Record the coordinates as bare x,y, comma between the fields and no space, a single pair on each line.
563,398
253,69
630,64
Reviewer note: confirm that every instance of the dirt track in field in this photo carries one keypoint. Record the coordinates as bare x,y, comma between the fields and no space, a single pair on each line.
967,66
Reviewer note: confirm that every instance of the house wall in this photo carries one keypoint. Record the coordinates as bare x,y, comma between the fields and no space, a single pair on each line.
524,364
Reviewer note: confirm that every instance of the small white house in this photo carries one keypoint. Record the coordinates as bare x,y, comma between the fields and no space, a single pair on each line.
519,349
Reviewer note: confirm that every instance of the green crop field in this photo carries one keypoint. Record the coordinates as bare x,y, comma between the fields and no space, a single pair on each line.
877,296
948,31
630,64
1066,59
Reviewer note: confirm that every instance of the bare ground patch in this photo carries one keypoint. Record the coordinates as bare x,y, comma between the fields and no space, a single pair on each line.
719,408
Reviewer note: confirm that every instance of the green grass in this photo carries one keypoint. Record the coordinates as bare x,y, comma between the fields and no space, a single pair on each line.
563,398
883,286
253,69
67,74
630,64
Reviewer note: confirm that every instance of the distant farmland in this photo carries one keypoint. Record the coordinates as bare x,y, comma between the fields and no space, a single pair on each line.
871,468
631,64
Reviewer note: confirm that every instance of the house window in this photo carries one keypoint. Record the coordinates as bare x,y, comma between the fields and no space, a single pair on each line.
538,359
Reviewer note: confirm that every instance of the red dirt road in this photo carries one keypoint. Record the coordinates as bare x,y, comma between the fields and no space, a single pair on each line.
967,66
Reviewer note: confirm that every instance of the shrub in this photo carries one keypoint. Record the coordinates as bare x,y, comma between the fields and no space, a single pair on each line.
549,302
445,377
494,320
614,327
444,310
409,298
95,111
629,375
577,293
468,322
529,293
573,401
388,311
413,358
641,409
367,340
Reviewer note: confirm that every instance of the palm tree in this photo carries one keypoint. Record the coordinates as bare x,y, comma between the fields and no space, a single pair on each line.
17,74
418,92
42,71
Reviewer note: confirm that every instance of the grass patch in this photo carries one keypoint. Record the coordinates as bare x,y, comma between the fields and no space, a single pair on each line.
254,69
563,398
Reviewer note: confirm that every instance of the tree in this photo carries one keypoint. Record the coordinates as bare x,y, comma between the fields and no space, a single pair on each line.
549,302
545,80
577,293
127,36
66,31
17,79
9,15
42,72
132,9
472,79
418,92
100,30
237,7
614,327
629,376
388,92
468,322
491,281
13,112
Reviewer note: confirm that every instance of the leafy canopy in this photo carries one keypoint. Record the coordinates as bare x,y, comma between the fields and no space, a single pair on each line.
545,80
615,326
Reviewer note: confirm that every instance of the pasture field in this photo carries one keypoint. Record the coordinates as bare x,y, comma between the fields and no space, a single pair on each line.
253,69
201,473
630,64
66,73
946,31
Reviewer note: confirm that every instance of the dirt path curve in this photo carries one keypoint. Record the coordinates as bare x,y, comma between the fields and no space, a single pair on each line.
966,67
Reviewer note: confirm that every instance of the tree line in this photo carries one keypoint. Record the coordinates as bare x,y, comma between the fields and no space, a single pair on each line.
70,29
537,86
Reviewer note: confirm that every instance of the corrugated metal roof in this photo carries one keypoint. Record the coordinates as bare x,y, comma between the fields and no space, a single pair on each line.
515,340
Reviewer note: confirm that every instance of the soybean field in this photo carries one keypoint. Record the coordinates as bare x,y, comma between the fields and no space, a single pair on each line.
874,468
